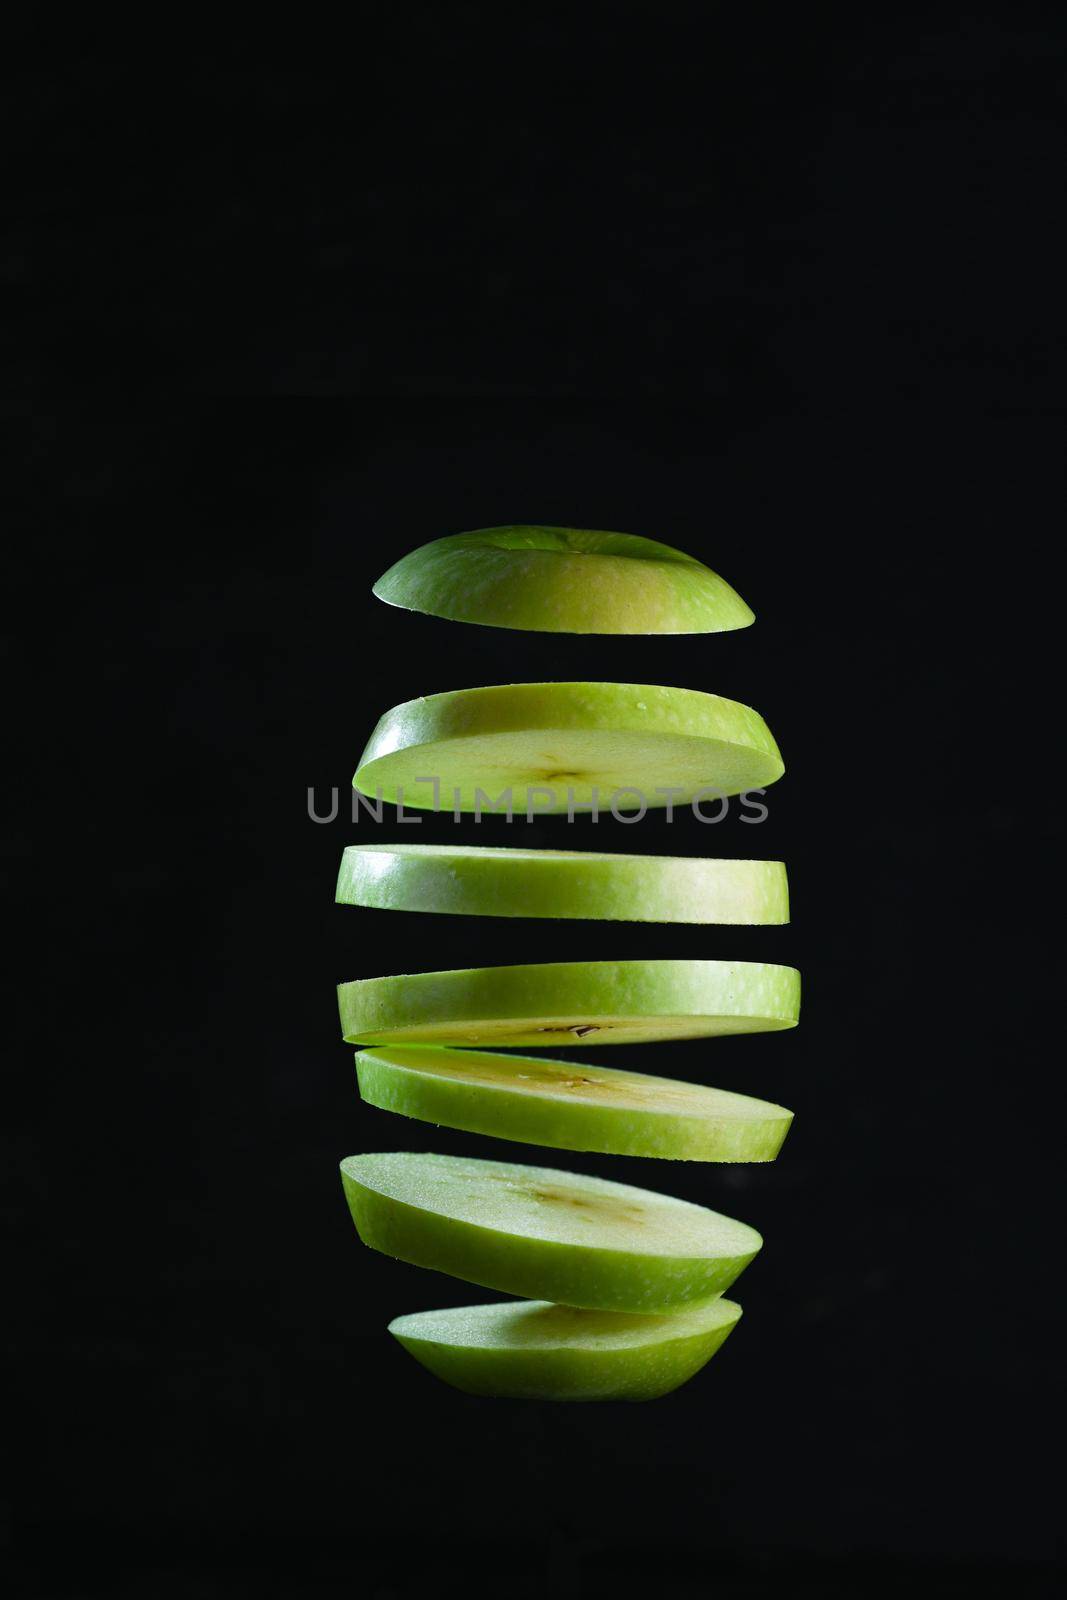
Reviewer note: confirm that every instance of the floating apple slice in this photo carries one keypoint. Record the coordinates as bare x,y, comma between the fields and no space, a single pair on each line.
571,1107
493,881
531,1350
563,580
544,1234
567,746
571,1002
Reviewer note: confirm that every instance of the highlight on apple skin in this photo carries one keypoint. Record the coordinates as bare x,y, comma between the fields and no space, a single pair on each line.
563,580
502,881
566,747
533,1350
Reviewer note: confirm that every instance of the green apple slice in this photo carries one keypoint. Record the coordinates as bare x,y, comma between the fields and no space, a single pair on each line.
544,1234
572,1002
570,1107
563,580
494,881
531,1350
552,747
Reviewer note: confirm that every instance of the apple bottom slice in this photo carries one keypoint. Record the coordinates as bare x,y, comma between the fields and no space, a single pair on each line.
570,1107
544,1234
570,1002
532,1350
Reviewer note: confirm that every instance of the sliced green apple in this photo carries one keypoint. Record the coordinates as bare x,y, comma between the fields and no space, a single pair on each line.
570,1107
544,1234
563,580
556,747
531,1350
493,881
571,1002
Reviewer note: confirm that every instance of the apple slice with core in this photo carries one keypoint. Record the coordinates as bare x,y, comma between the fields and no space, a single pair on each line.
531,1350
570,1107
563,580
568,747
495,881
544,1234
572,1002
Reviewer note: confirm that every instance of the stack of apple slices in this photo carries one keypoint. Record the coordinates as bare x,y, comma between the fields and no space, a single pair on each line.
621,1288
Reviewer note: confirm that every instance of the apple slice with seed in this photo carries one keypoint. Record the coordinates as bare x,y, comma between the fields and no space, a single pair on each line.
544,1234
563,580
557,747
531,1350
571,1002
494,881
570,1107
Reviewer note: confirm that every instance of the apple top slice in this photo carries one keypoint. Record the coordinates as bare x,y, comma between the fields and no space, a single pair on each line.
563,580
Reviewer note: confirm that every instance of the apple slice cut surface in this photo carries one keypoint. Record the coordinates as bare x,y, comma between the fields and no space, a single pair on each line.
497,881
571,1002
563,580
558,747
570,1107
532,1350
544,1234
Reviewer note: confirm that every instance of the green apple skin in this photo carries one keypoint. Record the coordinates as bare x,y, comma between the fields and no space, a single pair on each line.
544,1234
532,1350
564,1106
580,1003
493,881
559,747
563,580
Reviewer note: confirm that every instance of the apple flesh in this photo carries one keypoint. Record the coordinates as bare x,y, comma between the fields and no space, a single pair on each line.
557,747
531,1350
543,1234
571,1002
492,881
563,580
570,1107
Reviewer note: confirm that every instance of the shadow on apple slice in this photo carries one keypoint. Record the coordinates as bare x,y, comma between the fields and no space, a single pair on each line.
545,1234
569,1107
532,1350
563,580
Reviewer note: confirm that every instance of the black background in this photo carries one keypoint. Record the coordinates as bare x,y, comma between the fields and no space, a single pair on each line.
803,322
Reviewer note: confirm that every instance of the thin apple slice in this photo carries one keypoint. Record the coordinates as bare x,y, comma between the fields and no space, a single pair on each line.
563,580
570,1107
571,1002
556,747
494,881
532,1350
544,1234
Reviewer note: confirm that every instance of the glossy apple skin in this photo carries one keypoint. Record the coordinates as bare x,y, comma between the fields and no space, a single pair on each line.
492,881
565,1106
563,580
532,1350
579,1003
545,1234
558,747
